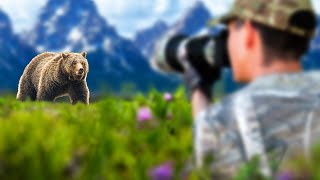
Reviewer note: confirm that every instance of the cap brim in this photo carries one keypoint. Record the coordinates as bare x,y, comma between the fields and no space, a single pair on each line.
224,20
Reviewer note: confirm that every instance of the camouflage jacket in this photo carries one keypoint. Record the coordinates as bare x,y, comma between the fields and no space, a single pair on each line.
278,113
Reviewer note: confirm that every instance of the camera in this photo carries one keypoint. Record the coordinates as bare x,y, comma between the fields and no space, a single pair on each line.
205,53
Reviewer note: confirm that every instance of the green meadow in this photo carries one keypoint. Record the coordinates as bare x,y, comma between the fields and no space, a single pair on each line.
105,140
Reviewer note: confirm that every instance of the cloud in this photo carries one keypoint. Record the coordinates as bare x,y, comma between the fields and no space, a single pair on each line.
127,16
22,13
218,7
132,15
316,5
161,6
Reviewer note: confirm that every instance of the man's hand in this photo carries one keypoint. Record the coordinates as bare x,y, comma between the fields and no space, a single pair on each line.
200,84
200,80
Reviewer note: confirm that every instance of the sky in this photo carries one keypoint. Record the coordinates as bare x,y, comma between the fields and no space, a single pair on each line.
128,16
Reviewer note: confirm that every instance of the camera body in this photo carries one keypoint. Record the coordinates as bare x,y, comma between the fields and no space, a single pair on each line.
204,53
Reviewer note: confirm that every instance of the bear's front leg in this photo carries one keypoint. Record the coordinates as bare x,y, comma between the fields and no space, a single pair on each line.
79,92
42,95
47,92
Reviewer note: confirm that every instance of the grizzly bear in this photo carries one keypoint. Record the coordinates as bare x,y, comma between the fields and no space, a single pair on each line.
52,75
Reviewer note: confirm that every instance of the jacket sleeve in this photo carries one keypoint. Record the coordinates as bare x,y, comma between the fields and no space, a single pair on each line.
217,138
205,140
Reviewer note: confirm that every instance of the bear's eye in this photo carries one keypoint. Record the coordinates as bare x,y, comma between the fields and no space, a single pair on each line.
74,63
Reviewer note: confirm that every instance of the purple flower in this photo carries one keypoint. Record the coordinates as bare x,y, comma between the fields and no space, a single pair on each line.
169,116
285,176
167,96
162,172
144,114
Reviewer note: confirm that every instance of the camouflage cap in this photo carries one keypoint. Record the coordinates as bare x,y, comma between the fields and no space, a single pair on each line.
273,13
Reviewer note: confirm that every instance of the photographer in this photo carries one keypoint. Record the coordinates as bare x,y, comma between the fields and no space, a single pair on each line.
279,109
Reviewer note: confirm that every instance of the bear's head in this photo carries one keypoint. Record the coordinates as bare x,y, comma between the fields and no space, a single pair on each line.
75,65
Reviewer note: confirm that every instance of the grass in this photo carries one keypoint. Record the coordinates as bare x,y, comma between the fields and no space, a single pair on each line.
105,140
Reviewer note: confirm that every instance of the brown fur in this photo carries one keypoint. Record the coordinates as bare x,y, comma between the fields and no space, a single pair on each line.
51,75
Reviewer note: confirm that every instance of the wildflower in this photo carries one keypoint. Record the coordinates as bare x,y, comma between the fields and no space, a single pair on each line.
285,176
169,115
168,97
144,114
162,172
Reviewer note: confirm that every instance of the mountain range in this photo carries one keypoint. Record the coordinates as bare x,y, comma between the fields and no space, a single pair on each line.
14,54
192,22
311,58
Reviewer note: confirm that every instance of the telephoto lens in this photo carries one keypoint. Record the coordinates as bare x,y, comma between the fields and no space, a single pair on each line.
204,53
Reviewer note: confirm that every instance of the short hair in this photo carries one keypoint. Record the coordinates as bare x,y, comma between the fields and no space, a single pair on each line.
283,44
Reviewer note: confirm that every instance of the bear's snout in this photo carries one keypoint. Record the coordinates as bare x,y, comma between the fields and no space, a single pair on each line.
80,71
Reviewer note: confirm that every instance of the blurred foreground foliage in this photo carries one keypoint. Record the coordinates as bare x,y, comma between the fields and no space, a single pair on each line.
104,140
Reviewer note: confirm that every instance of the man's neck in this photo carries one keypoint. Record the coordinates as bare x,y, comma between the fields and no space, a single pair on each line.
277,67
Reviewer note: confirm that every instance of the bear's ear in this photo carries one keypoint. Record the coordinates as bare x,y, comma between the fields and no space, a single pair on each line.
84,54
64,55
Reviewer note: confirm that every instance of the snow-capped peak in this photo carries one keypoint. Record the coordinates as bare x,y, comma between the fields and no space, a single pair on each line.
66,22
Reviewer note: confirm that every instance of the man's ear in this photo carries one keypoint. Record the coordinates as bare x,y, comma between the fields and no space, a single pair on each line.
84,54
251,34
64,55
